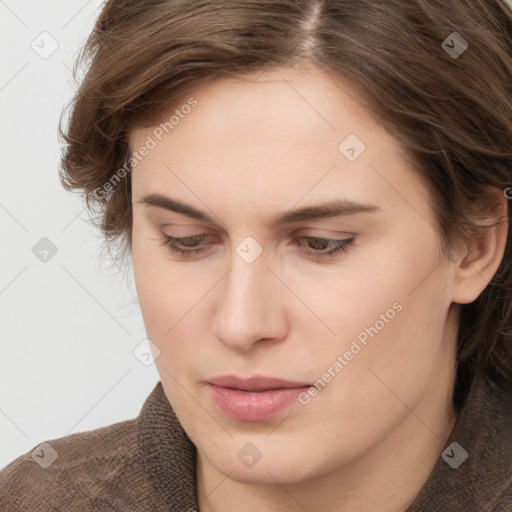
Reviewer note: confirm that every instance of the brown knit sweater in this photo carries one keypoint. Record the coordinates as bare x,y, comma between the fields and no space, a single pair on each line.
148,464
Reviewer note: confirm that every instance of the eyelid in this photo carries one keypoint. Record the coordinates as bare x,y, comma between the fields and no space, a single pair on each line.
191,226
331,233
207,239
340,246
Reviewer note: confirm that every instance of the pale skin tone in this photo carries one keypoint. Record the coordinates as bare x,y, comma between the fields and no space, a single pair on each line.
252,149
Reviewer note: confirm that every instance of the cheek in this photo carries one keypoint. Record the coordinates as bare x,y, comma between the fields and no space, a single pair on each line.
404,357
157,290
386,313
169,294
363,294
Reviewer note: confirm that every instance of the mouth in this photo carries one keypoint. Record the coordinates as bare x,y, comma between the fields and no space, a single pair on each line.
256,398
257,383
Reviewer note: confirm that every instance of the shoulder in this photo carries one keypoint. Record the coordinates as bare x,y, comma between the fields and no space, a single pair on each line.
76,470
504,503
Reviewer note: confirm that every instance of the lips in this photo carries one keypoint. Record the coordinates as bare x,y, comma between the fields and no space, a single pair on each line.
256,383
255,398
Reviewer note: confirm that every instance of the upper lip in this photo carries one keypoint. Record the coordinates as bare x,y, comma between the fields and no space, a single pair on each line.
255,383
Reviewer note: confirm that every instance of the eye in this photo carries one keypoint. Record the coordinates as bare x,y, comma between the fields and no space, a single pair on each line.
188,241
339,246
189,245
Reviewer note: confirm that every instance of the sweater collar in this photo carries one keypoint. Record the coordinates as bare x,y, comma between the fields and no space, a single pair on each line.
483,430
168,454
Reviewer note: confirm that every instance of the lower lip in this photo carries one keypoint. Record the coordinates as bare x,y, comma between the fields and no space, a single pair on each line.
252,405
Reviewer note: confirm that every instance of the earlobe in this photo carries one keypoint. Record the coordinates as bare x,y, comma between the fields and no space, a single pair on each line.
483,254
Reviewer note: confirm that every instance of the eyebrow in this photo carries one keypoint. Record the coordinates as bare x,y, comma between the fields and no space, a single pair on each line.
334,208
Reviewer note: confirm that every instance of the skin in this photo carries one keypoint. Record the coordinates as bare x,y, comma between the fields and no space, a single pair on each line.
250,149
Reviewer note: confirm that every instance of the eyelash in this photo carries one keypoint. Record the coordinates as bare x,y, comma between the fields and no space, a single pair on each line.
344,245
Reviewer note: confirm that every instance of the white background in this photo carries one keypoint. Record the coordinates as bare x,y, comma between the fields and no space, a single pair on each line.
68,327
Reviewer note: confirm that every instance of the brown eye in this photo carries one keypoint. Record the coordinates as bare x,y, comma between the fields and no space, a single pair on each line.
320,244
189,243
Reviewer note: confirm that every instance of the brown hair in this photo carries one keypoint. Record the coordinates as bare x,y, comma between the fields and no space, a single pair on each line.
451,112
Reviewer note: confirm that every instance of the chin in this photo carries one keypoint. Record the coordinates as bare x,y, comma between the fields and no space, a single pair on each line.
263,475
268,470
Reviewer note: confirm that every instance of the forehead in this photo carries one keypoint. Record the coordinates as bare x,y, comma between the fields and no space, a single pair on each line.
286,103
272,138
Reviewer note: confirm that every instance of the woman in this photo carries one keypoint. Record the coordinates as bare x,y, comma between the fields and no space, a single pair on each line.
314,197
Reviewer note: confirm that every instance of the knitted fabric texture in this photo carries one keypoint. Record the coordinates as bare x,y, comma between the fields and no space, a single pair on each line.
148,464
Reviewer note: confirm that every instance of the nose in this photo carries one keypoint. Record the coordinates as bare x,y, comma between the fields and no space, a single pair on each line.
250,305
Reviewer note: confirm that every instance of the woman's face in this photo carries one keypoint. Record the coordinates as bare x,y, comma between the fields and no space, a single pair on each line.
370,324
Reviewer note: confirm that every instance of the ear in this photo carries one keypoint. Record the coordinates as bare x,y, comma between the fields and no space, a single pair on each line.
484,249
